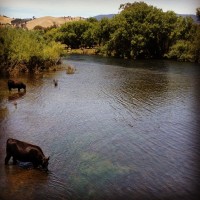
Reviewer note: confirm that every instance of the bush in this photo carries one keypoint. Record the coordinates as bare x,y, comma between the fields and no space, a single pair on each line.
70,70
28,49
180,51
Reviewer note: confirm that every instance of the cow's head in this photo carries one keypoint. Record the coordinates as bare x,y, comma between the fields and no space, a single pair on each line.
45,162
24,86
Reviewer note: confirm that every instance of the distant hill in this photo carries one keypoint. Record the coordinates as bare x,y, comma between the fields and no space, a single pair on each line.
44,22
5,20
99,17
194,17
49,21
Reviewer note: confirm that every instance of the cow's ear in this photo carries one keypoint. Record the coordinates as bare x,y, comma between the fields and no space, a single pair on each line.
48,158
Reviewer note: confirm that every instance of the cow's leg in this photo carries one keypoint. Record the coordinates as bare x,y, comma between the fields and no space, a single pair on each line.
18,89
14,161
35,165
8,156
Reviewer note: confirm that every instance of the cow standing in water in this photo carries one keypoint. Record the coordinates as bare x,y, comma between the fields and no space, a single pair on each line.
25,152
16,84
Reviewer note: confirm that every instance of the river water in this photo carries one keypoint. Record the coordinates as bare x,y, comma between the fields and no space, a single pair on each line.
116,129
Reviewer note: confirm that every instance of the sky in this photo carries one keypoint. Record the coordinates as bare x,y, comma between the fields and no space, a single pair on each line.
85,8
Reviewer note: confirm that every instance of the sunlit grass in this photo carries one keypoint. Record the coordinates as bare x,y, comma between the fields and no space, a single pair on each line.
82,51
70,69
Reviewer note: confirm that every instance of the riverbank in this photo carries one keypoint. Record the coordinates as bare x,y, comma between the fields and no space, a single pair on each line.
87,51
96,51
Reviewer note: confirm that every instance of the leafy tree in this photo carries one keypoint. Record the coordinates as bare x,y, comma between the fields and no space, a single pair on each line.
103,31
26,50
119,40
186,37
91,20
52,34
73,33
198,13
179,51
124,6
141,31
195,44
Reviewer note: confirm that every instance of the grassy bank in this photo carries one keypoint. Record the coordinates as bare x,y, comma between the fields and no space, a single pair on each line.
82,51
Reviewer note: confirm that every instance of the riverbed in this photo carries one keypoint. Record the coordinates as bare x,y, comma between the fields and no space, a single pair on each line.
115,129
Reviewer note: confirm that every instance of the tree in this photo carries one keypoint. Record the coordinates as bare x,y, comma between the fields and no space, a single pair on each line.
73,33
198,13
195,43
103,31
91,19
140,31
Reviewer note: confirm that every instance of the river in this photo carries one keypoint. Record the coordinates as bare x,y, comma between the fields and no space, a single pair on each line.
116,129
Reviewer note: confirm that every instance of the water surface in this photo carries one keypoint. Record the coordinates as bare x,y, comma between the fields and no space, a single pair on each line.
116,129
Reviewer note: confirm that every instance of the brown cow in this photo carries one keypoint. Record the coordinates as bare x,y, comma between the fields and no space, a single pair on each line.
25,152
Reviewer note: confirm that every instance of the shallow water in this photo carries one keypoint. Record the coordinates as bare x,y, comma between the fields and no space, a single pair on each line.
116,129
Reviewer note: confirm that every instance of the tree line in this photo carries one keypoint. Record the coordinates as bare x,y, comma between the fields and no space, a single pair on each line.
138,31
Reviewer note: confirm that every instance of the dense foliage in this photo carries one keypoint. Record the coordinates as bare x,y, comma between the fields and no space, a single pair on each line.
198,12
24,50
138,31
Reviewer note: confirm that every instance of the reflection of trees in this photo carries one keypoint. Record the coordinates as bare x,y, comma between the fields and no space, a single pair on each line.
3,95
3,113
16,96
17,179
3,90
144,86
141,87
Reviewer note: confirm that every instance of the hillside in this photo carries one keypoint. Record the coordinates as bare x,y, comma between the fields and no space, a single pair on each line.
5,20
44,22
99,17
50,21
194,17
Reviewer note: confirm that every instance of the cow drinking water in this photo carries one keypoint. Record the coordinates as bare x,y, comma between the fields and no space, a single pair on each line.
25,152
16,84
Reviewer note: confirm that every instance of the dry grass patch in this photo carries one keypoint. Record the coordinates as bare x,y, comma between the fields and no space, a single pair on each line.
70,69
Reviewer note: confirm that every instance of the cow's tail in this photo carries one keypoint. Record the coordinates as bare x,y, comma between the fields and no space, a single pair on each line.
7,144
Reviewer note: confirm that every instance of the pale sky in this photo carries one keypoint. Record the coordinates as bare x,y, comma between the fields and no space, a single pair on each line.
85,8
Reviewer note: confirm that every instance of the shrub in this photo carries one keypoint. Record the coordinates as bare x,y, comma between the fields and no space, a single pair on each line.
70,69
28,49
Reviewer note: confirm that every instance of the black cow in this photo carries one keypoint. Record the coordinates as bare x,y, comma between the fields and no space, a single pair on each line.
25,152
55,82
16,84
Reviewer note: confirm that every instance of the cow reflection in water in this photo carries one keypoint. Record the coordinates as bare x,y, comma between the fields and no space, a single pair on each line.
25,152
16,96
16,84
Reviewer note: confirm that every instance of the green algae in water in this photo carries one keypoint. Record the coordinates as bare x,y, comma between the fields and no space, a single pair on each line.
94,172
